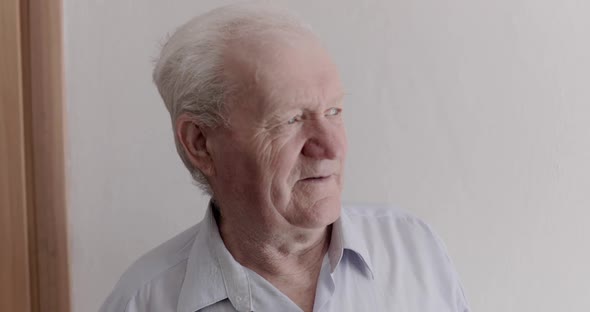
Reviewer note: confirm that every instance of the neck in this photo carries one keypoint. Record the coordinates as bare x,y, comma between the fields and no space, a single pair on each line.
289,258
282,252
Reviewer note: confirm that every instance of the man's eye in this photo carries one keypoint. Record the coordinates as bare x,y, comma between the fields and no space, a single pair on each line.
334,111
294,119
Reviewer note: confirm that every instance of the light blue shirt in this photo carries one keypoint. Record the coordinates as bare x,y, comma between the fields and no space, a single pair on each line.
379,259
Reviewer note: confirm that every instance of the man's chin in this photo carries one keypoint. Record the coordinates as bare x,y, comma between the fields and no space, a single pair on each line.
320,214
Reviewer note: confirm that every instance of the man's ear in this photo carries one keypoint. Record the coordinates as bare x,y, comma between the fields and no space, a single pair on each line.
193,139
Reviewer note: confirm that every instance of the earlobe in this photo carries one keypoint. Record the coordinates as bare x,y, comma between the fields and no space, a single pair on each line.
193,139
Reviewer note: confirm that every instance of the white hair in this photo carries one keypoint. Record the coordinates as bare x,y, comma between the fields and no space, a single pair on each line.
189,71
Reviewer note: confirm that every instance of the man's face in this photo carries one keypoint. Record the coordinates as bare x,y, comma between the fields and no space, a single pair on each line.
281,160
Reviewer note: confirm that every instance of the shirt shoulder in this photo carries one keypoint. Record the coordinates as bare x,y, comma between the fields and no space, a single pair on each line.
405,246
390,219
162,268
388,228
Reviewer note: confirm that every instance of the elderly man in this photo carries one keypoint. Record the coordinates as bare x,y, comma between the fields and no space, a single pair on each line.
256,107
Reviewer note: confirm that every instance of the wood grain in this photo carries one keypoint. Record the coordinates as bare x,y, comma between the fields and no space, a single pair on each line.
14,243
47,116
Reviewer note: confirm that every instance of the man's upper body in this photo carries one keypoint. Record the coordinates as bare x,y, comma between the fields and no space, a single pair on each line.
256,105
379,259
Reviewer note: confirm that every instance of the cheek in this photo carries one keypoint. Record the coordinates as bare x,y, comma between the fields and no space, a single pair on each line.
236,166
284,168
277,153
239,165
287,163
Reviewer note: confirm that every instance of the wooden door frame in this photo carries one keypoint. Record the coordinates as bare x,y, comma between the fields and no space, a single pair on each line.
34,271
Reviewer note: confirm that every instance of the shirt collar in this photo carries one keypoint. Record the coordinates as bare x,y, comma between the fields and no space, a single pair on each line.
346,236
212,274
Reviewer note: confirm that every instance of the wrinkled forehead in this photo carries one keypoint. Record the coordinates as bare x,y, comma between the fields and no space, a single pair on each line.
283,70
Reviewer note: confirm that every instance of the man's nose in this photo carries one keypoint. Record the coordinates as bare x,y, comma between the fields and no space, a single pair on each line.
325,140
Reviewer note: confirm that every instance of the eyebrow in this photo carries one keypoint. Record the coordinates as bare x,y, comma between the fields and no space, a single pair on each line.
291,104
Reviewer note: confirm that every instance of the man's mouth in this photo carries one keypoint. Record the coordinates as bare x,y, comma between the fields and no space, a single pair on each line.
316,179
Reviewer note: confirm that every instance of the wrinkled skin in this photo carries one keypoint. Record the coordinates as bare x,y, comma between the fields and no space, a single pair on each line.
279,164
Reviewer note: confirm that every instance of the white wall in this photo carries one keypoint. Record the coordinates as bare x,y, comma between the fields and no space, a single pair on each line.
473,114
